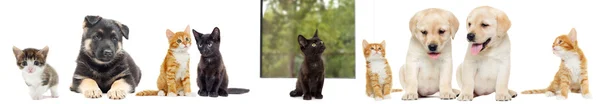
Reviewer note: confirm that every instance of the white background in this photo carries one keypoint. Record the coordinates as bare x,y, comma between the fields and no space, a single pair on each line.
57,23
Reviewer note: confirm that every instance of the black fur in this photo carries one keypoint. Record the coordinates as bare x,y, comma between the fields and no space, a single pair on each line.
104,62
212,75
312,72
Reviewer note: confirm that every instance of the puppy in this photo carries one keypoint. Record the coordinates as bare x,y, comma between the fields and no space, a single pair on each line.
486,66
428,67
102,65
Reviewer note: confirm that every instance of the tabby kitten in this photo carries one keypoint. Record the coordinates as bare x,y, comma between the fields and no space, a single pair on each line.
379,73
312,71
212,75
572,73
174,71
38,75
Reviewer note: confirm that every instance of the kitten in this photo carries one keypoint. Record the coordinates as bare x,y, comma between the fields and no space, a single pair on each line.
572,73
212,75
174,71
312,71
38,75
379,73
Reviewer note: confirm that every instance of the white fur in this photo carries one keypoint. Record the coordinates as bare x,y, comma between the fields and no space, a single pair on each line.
182,57
549,94
572,62
171,94
587,96
377,64
35,81
560,97
161,93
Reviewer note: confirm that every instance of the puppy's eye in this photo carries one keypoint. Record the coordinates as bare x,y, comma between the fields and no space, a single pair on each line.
97,37
24,63
178,40
442,31
484,25
115,39
36,63
469,24
424,32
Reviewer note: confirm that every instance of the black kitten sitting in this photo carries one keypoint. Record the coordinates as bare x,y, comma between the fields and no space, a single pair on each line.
312,73
212,76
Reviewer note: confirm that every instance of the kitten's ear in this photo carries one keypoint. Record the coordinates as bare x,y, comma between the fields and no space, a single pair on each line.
316,34
365,43
383,43
216,34
187,29
170,34
573,35
17,51
44,51
91,20
197,35
124,29
301,41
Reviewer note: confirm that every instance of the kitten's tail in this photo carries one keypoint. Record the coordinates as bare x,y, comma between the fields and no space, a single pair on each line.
536,91
396,90
147,93
237,90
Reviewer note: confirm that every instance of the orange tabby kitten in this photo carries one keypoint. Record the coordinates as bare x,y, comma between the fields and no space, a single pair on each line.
379,73
174,74
572,74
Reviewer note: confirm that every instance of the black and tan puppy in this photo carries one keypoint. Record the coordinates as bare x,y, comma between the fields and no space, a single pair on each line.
102,65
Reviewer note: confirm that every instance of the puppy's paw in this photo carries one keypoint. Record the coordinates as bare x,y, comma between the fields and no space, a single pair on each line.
410,96
587,96
92,93
387,97
503,97
161,93
465,96
560,97
116,94
549,94
447,95
171,94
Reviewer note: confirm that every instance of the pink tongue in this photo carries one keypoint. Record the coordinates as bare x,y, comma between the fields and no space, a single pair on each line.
434,56
475,49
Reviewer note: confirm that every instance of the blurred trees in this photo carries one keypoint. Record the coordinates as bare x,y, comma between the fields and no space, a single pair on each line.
284,20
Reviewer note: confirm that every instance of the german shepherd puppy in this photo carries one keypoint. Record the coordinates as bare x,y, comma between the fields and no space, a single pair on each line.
103,66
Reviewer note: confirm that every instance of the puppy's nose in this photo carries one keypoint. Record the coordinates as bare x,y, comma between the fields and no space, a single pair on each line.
471,37
107,53
432,47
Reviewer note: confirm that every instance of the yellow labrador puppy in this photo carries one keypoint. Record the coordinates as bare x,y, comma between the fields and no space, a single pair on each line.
428,67
486,66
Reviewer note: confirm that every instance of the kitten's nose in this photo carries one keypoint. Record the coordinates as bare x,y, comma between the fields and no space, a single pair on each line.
107,53
471,37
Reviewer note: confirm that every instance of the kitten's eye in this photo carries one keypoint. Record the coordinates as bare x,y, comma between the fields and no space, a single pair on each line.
210,44
424,32
321,42
313,45
97,37
372,48
559,41
379,49
24,63
442,31
484,25
36,63
178,40
187,39
469,24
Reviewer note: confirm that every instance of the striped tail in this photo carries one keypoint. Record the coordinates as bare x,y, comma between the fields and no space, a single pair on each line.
536,91
147,93
396,90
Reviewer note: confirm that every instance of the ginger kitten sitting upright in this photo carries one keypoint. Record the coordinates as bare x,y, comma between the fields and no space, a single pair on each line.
379,73
572,73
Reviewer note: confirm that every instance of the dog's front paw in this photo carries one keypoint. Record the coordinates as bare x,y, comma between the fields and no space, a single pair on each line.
503,97
465,96
410,96
447,95
92,93
116,94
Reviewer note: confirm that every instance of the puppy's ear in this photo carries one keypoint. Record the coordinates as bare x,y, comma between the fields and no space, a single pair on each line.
573,35
365,43
44,51
216,34
124,29
17,52
187,29
412,24
170,34
91,20
301,41
503,21
454,24
197,35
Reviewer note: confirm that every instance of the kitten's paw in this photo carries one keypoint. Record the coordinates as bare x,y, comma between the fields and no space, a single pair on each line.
371,95
161,93
447,95
560,97
410,96
307,97
378,98
37,97
202,93
171,94
223,94
319,96
503,97
56,96
587,96
387,97
92,93
465,96
180,93
189,94
213,94
295,93
116,94
549,94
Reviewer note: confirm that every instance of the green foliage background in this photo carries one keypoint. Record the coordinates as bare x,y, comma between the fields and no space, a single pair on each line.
284,20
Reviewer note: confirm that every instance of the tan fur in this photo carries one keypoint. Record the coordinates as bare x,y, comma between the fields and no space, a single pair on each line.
486,23
423,75
563,82
374,86
90,88
168,81
118,90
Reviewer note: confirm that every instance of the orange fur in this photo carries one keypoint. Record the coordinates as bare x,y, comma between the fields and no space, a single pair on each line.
374,87
169,81
563,82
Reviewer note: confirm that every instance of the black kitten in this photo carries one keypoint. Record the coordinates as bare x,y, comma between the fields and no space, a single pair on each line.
312,73
212,76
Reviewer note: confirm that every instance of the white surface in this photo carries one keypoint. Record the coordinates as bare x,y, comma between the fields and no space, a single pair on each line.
57,23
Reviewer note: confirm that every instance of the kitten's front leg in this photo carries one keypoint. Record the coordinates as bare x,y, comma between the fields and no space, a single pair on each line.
203,91
319,90
36,92
585,90
215,87
171,85
306,88
54,91
187,91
